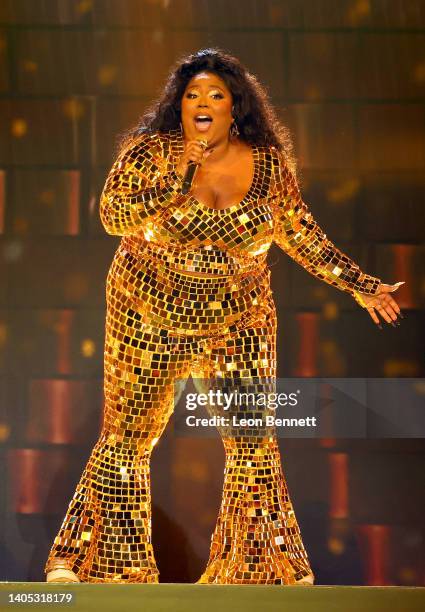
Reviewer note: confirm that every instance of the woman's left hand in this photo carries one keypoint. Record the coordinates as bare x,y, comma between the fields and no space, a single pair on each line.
383,303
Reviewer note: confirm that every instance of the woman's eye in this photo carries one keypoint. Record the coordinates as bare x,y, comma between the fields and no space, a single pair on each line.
216,95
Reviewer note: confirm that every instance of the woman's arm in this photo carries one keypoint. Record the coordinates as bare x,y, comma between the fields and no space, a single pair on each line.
298,234
137,187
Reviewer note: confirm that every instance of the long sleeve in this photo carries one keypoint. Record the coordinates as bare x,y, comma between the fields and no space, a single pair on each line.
137,187
298,234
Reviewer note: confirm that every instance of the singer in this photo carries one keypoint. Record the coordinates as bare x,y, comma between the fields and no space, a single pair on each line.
188,293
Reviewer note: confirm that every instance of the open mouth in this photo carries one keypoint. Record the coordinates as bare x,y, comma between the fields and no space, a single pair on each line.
203,122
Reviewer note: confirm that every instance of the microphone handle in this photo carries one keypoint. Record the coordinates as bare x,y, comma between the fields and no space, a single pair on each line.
188,177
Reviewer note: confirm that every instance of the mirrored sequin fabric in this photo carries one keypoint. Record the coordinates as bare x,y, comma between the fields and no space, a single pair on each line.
188,294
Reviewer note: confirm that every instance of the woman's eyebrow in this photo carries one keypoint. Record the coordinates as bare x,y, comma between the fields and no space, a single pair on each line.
210,87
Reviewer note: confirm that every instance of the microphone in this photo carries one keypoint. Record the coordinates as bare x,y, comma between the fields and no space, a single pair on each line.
192,167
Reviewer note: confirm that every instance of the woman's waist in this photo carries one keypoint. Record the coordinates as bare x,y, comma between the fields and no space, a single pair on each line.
194,260
172,281
190,304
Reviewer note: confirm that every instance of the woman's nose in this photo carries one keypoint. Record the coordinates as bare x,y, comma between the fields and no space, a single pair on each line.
203,100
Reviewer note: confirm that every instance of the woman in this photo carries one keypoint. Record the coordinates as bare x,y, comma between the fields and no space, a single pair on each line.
188,293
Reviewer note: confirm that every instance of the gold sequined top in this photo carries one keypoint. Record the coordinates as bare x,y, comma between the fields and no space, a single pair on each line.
168,236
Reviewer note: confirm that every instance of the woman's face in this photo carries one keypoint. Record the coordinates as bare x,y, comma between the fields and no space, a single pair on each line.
207,108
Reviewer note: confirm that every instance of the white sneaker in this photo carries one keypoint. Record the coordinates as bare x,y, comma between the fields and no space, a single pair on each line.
62,575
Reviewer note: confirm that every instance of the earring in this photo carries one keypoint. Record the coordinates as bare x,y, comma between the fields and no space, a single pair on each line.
234,130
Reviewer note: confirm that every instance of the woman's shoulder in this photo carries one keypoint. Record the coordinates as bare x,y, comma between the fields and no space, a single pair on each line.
281,168
273,156
274,153
141,142
149,145
146,153
275,159
283,162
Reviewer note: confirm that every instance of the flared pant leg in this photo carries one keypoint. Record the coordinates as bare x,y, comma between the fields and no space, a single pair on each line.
106,533
256,538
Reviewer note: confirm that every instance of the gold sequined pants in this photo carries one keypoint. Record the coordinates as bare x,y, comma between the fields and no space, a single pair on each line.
106,533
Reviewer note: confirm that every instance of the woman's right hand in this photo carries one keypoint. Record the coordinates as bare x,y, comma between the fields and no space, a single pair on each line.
194,151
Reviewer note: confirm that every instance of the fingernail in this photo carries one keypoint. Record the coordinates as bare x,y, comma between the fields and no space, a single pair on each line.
397,323
397,286
380,326
392,323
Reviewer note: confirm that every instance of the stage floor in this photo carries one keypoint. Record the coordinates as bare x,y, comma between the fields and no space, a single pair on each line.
212,598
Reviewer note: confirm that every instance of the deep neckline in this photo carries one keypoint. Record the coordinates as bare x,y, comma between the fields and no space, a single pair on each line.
233,207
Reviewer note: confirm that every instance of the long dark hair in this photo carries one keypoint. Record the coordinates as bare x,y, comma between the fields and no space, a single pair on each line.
254,115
